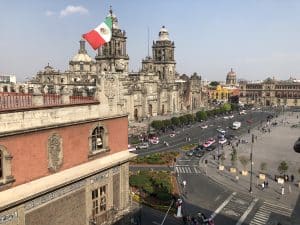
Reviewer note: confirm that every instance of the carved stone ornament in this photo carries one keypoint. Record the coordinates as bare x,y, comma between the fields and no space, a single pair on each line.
109,86
55,153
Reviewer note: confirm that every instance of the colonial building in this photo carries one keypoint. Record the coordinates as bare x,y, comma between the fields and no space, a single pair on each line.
63,160
271,92
156,89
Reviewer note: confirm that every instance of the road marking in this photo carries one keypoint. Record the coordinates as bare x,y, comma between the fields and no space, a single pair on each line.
243,217
217,198
156,223
223,205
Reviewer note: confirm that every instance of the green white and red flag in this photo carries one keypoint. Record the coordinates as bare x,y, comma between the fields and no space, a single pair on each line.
100,35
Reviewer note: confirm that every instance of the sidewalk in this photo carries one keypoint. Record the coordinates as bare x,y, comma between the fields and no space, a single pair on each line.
266,142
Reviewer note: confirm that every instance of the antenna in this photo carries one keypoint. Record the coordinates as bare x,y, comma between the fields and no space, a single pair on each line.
148,40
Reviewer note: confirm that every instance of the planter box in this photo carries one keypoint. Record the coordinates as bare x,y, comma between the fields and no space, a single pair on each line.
280,181
262,176
232,170
244,172
221,167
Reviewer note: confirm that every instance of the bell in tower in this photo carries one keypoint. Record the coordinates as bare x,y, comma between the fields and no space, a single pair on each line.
163,56
112,56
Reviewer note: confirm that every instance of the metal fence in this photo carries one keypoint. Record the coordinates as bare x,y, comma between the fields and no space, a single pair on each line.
52,99
81,99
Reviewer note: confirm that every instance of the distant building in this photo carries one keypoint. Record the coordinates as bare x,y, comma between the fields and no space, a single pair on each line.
7,79
271,92
231,78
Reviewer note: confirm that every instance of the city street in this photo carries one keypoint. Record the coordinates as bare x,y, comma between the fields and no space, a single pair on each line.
204,193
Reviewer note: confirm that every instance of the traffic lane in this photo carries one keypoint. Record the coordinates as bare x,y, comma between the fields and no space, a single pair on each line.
196,133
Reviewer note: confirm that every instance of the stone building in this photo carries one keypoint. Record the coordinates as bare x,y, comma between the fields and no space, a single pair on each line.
60,162
231,78
271,92
157,89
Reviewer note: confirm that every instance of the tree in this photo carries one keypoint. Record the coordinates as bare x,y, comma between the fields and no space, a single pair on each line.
283,167
201,115
244,160
233,157
166,124
175,121
189,118
263,167
157,124
226,107
214,83
183,120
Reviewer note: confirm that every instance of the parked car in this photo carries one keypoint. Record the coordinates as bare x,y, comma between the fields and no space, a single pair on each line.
199,153
131,148
190,152
230,137
203,126
221,131
243,112
222,141
172,134
144,145
154,141
211,147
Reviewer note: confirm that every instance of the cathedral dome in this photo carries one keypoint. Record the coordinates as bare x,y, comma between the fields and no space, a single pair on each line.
163,34
231,77
82,55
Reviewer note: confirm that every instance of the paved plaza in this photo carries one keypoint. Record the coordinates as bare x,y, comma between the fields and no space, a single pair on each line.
269,147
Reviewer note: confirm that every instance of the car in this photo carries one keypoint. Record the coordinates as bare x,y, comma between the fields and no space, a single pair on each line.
154,141
173,134
243,112
144,145
230,137
249,121
231,116
211,147
211,140
203,126
131,148
222,141
226,117
221,131
199,153
206,144
190,152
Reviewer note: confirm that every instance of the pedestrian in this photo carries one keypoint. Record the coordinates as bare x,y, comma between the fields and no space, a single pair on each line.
267,184
292,178
263,186
255,137
282,190
184,183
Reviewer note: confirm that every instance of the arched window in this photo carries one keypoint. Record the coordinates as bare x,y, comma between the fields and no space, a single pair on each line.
5,167
98,140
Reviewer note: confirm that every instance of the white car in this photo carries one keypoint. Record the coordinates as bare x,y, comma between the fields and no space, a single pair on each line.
226,117
231,116
154,141
204,126
243,112
172,134
223,141
221,131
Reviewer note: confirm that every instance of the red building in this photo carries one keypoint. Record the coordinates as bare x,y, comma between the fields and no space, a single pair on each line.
63,164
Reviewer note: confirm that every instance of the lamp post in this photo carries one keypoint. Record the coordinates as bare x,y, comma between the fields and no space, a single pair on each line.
251,159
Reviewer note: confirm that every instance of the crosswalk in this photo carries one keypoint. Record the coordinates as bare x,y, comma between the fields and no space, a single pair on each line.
188,169
237,205
262,216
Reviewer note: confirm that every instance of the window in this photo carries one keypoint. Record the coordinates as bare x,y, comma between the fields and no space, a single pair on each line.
99,196
1,165
5,167
98,139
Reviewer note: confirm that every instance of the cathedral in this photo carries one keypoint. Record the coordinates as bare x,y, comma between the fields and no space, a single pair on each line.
156,89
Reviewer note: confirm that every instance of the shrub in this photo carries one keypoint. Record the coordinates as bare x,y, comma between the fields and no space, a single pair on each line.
283,167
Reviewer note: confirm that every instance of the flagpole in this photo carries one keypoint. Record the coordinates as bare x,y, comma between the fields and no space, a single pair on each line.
112,40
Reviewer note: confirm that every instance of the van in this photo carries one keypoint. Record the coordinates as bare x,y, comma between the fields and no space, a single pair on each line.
236,125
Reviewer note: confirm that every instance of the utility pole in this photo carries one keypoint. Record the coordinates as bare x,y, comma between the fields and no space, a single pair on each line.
251,159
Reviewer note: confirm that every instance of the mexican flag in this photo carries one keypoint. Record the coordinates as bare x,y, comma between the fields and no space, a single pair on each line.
100,35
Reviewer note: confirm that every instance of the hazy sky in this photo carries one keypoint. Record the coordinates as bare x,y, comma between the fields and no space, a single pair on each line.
258,38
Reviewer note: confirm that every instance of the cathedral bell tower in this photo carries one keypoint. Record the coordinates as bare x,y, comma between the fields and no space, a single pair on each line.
112,56
163,56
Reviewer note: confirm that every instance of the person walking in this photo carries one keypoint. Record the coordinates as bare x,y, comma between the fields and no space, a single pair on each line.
292,178
263,186
282,190
267,184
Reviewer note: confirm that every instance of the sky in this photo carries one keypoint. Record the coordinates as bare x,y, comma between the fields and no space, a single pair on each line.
257,38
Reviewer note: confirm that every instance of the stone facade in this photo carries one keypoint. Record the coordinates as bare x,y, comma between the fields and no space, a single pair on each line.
157,89
271,92
56,168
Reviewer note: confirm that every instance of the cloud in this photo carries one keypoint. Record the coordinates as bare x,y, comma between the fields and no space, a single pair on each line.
49,13
71,9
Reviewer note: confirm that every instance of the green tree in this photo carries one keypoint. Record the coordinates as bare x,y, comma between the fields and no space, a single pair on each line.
283,167
166,123
244,160
189,118
175,121
183,120
201,115
226,107
233,157
263,167
214,83
157,124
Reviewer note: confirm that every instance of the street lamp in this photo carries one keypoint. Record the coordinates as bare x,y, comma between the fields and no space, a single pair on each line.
251,159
